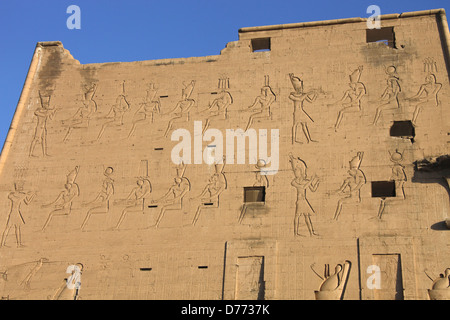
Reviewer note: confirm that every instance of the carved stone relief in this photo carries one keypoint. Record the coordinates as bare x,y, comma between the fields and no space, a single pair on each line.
173,199
81,118
147,109
389,98
261,106
116,113
70,286
398,175
182,108
217,183
300,116
218,108
250,278
333,285
351,187
301,182
261,180
101,203
351,100
135,200
44,113
427,95
17,198
62,205
440,289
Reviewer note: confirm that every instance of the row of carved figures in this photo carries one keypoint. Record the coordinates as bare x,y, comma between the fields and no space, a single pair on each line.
209,197
332,287
218,109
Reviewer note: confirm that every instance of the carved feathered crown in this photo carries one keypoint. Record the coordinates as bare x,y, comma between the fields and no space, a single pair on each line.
297,83
73,175
356,161
356,75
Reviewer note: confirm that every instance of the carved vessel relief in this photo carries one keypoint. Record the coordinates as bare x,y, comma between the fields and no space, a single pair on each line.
333,285
440,288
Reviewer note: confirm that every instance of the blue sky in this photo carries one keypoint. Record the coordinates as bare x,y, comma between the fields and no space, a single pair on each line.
134,30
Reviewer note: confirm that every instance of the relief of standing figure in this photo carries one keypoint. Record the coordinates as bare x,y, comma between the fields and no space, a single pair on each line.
302,205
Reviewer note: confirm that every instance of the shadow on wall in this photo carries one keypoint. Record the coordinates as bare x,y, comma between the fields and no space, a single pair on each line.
435,170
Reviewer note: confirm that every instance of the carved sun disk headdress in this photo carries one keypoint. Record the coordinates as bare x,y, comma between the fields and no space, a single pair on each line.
396,156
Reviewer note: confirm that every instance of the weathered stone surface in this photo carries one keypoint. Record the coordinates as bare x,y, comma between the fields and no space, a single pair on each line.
87,181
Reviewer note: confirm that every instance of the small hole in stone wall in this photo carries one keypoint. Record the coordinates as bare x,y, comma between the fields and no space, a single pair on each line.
403,129
203,267
145,269
254,194
383,189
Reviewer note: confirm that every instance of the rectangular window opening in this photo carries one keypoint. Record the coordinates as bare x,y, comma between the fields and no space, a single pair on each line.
260,44
203,267
159,149
383,189
254,194
385,35
403,129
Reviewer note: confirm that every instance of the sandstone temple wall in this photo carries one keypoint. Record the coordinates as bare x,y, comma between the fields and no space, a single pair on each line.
87,181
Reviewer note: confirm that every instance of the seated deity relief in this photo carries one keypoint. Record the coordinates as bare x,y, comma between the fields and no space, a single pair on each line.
261,106
351,187
83,115
351,100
